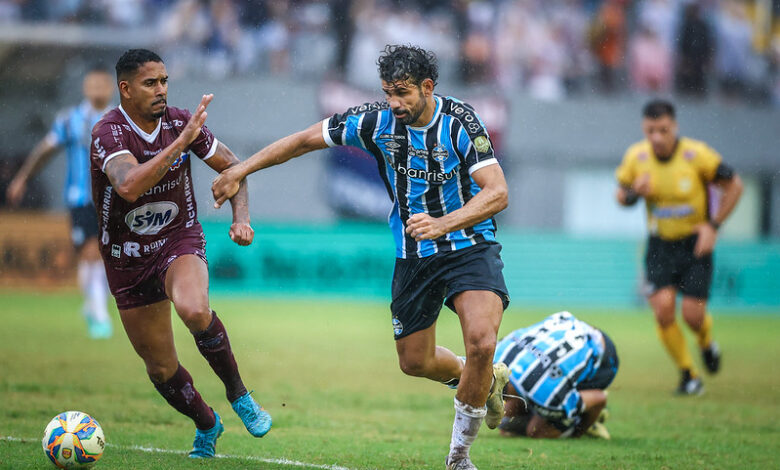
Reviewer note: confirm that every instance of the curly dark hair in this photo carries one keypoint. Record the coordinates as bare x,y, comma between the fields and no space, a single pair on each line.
132,60
407,62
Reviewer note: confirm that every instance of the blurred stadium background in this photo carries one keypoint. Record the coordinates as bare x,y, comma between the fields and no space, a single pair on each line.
560,84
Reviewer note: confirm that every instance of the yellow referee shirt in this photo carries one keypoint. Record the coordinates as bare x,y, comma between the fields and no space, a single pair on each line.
678,199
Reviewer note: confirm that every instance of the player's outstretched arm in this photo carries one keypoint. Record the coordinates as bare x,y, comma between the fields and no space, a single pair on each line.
37,158
492,199
240,230
132,179
227,183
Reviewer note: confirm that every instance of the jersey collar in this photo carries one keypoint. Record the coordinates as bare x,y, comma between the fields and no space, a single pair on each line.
147,137
434,118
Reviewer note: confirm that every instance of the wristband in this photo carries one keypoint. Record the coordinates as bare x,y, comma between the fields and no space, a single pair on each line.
631,197
714,225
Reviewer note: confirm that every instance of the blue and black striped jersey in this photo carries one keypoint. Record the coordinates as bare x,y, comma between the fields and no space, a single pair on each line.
549,359
425,169
72,129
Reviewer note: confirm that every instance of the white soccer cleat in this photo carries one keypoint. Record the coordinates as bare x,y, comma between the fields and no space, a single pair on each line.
462,464
495,400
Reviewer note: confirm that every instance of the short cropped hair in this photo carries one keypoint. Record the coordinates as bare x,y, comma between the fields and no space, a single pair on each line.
406,62
658,108
132,60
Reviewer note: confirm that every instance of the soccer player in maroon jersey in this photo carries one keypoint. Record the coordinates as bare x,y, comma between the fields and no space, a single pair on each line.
153,245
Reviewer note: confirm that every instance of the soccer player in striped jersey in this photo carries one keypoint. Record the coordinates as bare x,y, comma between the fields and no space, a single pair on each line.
437,161
559,369
72,131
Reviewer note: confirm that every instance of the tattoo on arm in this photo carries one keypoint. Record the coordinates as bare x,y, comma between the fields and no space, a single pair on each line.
118,168
163,169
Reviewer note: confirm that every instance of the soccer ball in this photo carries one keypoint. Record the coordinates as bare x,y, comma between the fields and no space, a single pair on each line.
73,440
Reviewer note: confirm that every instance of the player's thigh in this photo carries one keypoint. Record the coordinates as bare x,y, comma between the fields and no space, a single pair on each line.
417,348
187,285
480,313
149,330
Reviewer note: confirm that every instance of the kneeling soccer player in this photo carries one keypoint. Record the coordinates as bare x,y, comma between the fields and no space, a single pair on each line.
153,245
559,371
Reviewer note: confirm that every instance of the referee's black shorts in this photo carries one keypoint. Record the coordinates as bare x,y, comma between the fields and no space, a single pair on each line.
672,263
421,285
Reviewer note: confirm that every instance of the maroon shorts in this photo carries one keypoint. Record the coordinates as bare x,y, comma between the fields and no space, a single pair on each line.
143,282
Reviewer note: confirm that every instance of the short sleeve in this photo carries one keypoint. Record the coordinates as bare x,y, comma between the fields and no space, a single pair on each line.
626,171
108,141
205,144
707,161
353,126
58,134
473,139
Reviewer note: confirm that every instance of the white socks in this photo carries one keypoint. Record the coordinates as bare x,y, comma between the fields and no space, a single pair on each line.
468,419
94,287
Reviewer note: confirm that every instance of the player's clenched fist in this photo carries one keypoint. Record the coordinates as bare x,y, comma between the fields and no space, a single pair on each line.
424,227
242,233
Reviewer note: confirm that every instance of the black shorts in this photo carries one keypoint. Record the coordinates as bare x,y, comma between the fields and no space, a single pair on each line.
421,285
605,374
672,263
84,225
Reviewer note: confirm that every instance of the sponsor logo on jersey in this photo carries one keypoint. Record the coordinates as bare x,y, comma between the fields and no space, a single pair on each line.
685,184
392,136
482,144
150,218
116,251
673,212
100,151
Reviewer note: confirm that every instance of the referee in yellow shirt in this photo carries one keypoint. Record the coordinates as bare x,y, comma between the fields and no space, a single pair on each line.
673,175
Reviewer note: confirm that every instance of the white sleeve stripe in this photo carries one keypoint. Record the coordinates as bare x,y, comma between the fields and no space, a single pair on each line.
105,160
326,133
212,150
482,164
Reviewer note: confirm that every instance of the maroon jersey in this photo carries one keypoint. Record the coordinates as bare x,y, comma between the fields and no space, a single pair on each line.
132,233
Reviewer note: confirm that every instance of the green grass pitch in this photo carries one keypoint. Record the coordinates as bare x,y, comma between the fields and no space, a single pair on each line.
327,372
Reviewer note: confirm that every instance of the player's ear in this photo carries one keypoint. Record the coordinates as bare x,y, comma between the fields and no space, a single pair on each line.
427,87
124,89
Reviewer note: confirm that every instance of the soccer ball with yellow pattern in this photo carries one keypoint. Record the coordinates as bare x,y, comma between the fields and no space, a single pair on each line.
73,440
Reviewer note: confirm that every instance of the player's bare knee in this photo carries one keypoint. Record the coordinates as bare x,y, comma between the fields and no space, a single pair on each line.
415,366
195,314
480,350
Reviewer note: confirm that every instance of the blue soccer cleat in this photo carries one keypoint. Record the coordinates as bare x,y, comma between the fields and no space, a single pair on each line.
205,443
255,418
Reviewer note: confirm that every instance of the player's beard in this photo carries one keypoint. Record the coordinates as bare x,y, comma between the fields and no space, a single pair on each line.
414,113
161,113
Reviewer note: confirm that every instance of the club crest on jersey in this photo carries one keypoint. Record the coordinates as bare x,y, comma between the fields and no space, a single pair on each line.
150,218
182,158
482,144
439,153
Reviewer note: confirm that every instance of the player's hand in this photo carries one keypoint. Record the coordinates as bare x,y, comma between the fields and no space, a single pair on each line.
642,185
15,191
192,129
706,241
225,186
241,233
424,227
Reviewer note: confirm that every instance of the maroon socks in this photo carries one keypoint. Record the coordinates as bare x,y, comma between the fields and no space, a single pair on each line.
214,345
180,393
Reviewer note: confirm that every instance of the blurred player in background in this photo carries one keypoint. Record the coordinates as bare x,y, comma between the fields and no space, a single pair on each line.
560,369
72,131
153,245
673,175
437,161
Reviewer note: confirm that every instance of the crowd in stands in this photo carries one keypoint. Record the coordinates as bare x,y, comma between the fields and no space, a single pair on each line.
550,49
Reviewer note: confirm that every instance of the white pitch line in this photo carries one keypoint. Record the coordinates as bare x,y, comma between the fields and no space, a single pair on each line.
155,450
